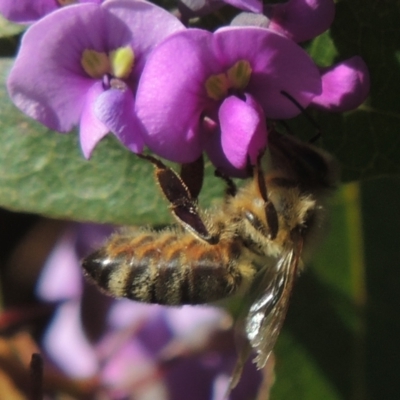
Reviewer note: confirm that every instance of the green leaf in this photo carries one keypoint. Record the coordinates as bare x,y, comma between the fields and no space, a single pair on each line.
366,141
8,28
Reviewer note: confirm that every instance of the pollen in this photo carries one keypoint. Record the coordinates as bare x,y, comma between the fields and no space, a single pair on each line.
239,75
122,61
217,86
236,77
95,63
117,63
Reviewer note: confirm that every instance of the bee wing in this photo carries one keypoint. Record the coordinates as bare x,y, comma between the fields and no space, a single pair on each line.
266,315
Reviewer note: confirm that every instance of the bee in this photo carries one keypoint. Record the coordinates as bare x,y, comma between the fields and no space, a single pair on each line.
251,246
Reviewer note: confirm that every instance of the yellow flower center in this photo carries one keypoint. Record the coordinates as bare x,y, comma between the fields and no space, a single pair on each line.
118,63
237,77
122,61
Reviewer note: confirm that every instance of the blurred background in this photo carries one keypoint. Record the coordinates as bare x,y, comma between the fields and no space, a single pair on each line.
341,337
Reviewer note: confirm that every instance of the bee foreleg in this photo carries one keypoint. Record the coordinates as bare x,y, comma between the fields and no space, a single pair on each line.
182,203
192,174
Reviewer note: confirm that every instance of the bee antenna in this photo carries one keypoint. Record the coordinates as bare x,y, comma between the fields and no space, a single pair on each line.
306,114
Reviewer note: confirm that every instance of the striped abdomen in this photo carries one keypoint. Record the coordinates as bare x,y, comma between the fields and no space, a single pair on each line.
166,268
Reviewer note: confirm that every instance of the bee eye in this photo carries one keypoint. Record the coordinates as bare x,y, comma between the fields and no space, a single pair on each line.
256,223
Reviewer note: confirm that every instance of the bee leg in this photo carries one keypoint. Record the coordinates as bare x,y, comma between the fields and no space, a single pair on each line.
183,204
192,174
231,188
270,211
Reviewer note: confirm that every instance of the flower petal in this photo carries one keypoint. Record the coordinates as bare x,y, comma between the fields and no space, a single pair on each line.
132,372
91,129
255,6
171,95
278,64
190,379
344,86
124,313
61,277
188,321
115,109
243,130
26,11
65,340
300,20
47,81
149,23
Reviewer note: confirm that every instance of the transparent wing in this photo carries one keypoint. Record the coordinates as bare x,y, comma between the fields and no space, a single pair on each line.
266,315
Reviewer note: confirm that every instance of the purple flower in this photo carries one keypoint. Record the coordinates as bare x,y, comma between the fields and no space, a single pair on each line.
344,86
80,65
27,11
133,349
213,91
203,91
298,20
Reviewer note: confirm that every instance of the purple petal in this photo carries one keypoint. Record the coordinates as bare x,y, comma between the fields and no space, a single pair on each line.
26,11
243,130
278,64
132,372
213,148
126,313
149,23
300,20
344,86
189,379
115,109
186,321
171,95
67,345
250,382
255,6
61,277
91,129
220,387
243,136
47,81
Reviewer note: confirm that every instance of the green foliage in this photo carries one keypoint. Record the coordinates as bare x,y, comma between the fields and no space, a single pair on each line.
341,334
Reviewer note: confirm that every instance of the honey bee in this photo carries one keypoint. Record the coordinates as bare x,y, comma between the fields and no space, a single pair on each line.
251,246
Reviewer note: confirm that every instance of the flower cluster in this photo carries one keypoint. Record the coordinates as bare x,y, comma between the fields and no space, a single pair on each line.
133,69
131,349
